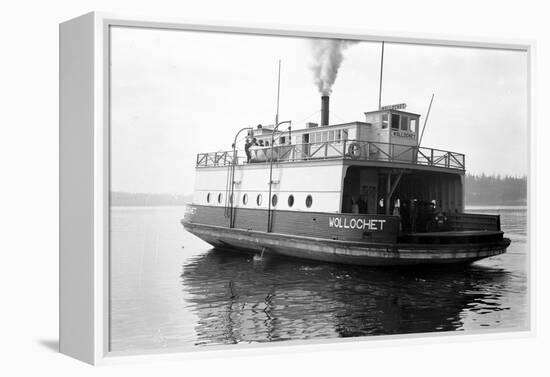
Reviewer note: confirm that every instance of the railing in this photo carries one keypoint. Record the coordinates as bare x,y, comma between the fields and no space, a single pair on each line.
347,149
473,221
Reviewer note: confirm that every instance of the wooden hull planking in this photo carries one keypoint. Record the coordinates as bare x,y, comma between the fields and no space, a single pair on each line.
345,252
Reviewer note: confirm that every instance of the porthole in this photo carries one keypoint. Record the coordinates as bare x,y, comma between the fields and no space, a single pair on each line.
245,199
274,200
259,199
208,198
290,200
220,197
309,201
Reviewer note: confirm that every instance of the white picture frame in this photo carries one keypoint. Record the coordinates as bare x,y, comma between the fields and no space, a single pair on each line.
84,174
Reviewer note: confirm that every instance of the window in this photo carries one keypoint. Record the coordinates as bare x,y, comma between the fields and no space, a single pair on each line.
208,198
220,196
245,199
274,200
259,199
395,121
385,120
404,123
282,140
309,201
338,135
290,200
331,136
413,124
325,136
267,143
345,134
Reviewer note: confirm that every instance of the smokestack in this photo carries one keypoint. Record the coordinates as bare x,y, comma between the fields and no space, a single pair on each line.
324,110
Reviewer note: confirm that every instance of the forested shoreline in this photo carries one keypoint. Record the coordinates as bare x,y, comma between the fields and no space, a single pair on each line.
480,190
495,190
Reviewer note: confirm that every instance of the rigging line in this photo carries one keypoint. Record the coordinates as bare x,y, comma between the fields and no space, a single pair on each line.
337,116
426,120
381,75
309,116
278,93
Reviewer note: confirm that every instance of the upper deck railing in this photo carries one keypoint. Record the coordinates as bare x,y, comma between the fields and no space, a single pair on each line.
347,149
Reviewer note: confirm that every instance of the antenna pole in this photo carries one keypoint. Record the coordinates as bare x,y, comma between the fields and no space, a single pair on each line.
381,72
278,93
275,128
426,120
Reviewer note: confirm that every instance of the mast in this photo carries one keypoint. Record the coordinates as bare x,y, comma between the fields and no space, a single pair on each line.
426,120
278,92
271,155
381,74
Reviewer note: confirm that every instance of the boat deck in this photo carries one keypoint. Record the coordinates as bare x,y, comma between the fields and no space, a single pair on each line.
356,150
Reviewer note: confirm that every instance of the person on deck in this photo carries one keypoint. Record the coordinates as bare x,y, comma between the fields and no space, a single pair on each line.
413,212
247,145
355,205
363,200
346,204
405,216
396,212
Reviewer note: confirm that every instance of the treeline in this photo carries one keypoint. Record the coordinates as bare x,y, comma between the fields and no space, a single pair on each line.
137,199
495,190
480,190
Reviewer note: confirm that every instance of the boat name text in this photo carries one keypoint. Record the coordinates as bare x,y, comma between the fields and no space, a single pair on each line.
398,106
353,223
411,135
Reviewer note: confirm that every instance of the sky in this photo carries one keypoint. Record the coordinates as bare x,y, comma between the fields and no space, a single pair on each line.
177,93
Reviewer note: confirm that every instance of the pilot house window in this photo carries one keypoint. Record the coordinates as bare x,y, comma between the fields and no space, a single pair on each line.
395,121
412,125
385,120
404,123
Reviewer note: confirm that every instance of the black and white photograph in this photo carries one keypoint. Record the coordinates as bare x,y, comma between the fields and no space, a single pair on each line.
269,189
287,188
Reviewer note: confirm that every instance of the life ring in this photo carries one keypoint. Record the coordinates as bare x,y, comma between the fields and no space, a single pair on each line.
354,150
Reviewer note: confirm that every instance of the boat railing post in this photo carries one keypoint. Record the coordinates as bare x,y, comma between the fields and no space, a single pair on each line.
344,148
275,128
231,176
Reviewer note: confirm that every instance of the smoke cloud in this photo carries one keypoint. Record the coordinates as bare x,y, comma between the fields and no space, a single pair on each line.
328,55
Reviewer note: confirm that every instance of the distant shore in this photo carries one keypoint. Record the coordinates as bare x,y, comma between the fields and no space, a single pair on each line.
127,199
481,190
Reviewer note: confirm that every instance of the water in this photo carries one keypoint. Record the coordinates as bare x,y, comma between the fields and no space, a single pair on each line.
170,289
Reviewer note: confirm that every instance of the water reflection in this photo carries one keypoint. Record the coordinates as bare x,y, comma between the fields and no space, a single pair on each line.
239,299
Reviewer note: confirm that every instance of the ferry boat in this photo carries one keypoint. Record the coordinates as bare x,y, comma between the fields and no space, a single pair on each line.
363,192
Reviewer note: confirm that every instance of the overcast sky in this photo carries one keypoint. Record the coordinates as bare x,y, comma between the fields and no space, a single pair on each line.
178,93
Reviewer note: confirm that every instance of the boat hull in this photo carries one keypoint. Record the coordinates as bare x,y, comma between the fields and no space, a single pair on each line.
345,252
